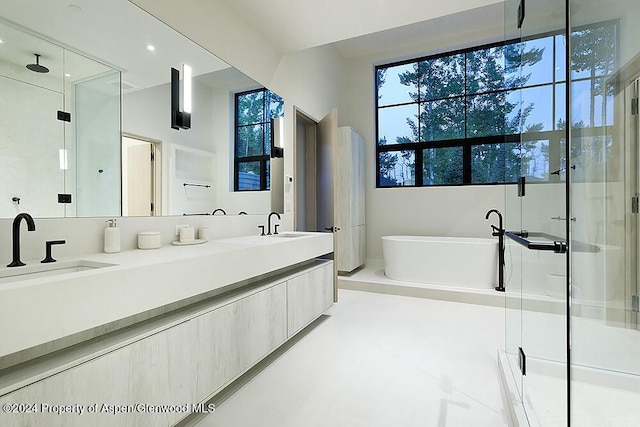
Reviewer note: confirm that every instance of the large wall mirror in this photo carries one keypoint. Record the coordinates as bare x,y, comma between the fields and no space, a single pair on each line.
86,116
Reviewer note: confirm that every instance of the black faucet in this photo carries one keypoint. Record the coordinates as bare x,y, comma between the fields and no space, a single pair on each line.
498,232
31,226
219,209
269,222
48,244
499,229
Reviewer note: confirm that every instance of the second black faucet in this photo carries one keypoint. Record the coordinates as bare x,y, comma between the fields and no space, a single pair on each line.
275,225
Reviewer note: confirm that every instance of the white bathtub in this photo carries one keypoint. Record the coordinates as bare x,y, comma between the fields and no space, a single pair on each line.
451,261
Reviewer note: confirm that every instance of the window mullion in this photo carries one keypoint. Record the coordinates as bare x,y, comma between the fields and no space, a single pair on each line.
466,164
480,99
418,167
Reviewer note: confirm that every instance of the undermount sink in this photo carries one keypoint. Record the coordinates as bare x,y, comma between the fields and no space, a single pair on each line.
288,235
15,274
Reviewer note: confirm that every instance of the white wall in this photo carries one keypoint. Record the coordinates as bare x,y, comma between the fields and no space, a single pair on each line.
147,113
308,80
86,235
318,79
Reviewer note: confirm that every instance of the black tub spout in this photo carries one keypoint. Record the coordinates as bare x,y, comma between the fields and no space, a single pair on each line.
498,232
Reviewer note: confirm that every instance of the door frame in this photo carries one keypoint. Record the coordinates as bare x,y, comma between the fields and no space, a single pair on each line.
156,172
313,130
310,124
631,90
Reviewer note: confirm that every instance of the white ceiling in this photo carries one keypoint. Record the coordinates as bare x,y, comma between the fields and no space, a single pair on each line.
117,31
293,25
114,31
487,20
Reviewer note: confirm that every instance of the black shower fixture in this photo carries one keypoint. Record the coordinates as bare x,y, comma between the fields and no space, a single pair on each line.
37,67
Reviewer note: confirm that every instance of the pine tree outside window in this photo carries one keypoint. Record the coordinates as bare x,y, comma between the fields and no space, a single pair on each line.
489,114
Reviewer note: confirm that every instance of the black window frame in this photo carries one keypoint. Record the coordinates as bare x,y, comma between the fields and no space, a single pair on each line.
267,140
555,137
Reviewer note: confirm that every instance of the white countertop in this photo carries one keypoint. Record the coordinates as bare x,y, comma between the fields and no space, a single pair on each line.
41,310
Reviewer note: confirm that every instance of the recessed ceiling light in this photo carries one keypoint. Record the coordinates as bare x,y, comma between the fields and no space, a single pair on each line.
75,8
151,47
67,75
1,41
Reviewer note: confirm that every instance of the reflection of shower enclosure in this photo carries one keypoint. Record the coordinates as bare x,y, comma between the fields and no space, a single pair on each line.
98,145
42,156
30,142
572,343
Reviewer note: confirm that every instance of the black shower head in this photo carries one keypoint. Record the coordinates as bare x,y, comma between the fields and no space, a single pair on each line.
37,67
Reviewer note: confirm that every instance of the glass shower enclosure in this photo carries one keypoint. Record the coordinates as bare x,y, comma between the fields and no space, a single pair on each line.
571,259
60,132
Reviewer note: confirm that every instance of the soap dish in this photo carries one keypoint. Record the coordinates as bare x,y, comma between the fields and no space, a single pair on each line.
188,243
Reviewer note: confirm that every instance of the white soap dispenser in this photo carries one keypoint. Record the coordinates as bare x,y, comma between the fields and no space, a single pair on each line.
111,237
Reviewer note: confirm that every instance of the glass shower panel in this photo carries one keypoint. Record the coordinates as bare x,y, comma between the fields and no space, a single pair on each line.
535,257
30,133
29,153
513,253
513,288
93,139
605,342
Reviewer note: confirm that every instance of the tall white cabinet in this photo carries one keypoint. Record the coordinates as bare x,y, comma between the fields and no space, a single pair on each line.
350,188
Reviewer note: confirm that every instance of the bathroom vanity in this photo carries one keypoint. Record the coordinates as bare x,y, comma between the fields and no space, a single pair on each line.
171,326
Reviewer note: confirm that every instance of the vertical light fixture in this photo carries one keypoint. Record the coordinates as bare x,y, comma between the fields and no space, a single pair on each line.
186,94
181,119
62,158
277,136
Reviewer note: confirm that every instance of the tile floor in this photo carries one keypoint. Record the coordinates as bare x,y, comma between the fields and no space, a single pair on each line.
605,387
378,360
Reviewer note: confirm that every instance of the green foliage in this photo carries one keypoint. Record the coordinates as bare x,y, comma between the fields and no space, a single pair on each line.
495,163
275,105
593,54
254,111
387,163
472,99
381,76
442,166
593,50
455,105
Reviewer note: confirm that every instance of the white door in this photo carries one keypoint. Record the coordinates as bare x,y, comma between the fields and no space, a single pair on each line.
137,177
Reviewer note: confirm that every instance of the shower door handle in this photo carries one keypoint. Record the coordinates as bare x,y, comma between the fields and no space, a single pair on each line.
557,246
521,12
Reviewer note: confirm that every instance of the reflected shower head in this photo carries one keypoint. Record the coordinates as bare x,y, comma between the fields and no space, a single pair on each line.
37,67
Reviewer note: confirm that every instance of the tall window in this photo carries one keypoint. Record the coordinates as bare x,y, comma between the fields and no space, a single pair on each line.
492,113
254,111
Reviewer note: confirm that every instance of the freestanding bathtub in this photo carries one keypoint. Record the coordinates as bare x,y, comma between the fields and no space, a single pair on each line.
451,261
